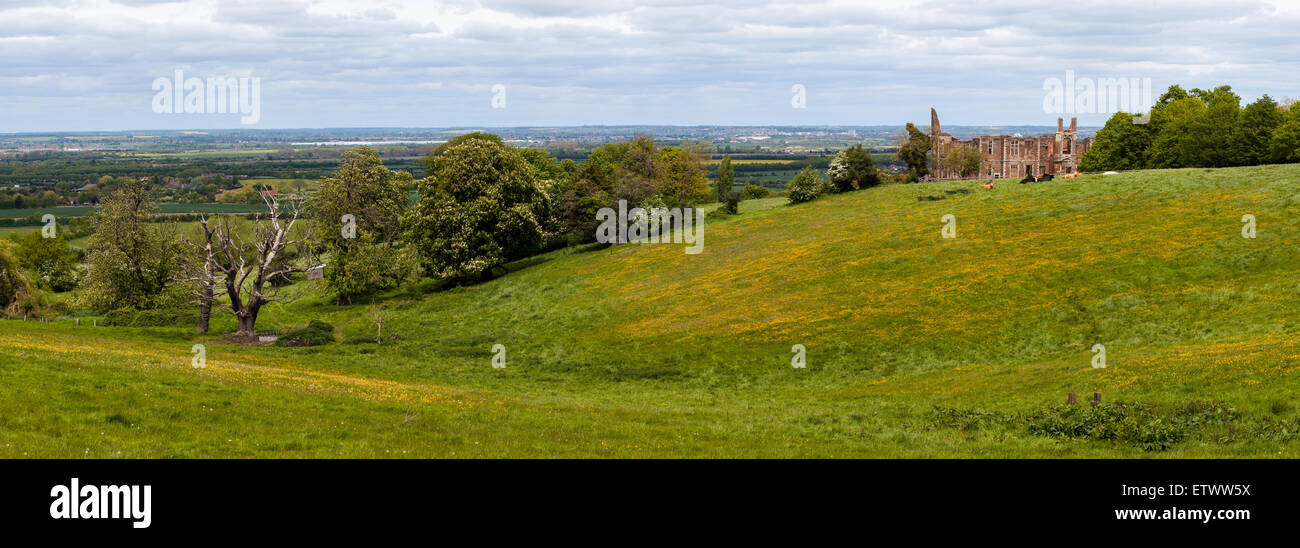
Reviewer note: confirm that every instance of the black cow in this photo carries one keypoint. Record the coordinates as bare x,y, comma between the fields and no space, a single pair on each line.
1028,179
1047,177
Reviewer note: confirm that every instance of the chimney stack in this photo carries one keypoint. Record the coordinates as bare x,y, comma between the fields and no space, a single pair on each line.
1074,125
1060,125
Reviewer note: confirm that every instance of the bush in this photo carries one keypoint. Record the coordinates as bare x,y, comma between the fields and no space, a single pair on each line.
754,192
806,186
315,334
731,202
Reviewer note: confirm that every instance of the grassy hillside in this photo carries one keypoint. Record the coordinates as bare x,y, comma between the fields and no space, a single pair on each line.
916,345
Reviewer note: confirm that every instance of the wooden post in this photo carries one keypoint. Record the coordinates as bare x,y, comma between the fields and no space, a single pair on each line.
1096,398
78,322
1072,399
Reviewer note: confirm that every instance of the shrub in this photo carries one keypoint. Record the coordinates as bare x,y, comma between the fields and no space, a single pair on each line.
731,202
806,186
754,192
852,169
315,334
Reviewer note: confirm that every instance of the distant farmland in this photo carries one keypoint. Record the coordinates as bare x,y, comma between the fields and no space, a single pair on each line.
166,209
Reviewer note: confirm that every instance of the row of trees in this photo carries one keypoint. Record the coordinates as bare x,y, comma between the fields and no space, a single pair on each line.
483,204
1198,128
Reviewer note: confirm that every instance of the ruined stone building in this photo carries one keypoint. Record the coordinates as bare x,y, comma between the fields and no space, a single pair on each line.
1007,156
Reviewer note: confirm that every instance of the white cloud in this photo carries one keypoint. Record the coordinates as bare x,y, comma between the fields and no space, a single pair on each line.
87,64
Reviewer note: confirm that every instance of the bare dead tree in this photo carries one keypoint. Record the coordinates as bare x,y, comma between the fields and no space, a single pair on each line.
246,266
378,315
200,272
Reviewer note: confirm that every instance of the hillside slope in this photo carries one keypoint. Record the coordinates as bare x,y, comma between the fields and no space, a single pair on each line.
917,345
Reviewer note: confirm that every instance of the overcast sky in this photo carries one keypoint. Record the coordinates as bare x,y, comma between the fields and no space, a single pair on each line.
88,64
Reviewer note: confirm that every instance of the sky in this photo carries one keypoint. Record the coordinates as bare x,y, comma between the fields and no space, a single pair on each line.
91,65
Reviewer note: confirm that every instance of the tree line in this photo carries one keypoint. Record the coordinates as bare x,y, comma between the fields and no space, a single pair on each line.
1198,128
481,205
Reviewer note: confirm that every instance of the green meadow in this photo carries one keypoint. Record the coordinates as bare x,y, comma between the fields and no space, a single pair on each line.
916,345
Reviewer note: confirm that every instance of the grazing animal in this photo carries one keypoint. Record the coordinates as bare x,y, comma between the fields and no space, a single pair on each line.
1047,177
988,184
928,198
1028,179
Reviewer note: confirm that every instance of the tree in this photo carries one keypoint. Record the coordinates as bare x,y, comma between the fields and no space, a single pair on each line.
53,265
480,208
551,173
364,253
1284,146
1190,129
964,161
678,174
806,186
726,178
14,284
1251,136
754,192
592,188
200,273
271,238
914,150
130,261
378,315
1175,143
1120,144
852,169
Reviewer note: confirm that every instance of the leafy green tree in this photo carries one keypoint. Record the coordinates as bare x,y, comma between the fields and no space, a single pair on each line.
964,161
754,192
682,182
481,207
1251,136
591,188
551,173
14,283
1284,146
52,264
1120,144
914,150
806,186
130,261
852,169
726,178
1191,129
364,255
1176,142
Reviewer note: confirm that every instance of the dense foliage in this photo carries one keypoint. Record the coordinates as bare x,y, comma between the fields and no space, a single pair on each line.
1198,128
806,186
365,254
481,207
130,261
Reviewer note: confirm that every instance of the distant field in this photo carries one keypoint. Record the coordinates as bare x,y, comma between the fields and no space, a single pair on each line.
205,153
166,208
282,184
736,161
